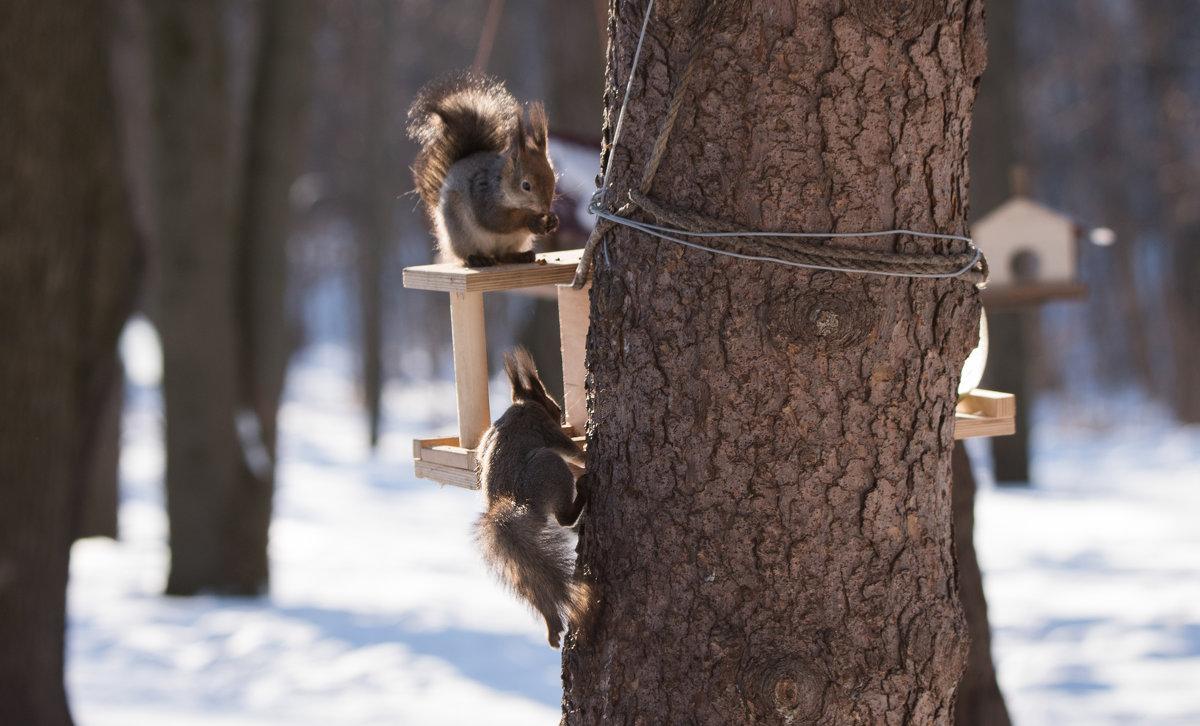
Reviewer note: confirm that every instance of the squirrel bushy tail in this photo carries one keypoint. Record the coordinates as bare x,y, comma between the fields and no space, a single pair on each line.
454,117
537,563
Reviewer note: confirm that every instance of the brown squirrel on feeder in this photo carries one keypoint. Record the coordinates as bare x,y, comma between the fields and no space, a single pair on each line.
483,171
524,473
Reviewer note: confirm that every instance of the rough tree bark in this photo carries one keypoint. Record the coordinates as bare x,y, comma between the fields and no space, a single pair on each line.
770,532
218,274
68,265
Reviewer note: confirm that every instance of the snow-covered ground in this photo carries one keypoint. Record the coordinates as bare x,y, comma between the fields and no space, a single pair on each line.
1093,575
381,613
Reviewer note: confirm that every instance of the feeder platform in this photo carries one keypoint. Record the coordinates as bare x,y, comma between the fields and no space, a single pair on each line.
451,459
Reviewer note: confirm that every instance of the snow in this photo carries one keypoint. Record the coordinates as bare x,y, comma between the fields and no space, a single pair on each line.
381,612
1093,578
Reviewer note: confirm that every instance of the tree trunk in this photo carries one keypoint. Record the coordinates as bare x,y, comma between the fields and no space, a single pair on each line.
1171,72
993,159
276,139
194,307
980,702
770,531
67,272
219,274
101,493
372,185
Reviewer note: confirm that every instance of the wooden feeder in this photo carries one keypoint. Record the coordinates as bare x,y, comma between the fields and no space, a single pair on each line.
1032,253
451,460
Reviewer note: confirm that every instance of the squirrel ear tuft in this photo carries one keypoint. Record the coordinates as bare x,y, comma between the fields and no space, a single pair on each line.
531,383
517,141
538,126
513,369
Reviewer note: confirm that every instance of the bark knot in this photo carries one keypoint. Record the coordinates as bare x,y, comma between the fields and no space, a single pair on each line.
784,687
787,693
839,320
825,322
905,19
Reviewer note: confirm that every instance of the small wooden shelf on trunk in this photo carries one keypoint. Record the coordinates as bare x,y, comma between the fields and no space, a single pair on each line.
451,460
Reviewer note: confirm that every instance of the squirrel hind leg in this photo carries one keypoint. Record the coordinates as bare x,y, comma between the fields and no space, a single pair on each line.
554,628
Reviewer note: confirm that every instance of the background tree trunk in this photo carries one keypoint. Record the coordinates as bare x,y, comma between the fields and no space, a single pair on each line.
995,161
574,98
980,702
770,531
374,183
219,274
1172,75
101,493
68,264
194,307
1105,110
277,132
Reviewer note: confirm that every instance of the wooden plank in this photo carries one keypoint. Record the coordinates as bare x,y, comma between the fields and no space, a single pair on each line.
454,456
447,475
470,365
988,403
970,426
444,461
1016,297
985,413
551,268
441,441
573,320
443,453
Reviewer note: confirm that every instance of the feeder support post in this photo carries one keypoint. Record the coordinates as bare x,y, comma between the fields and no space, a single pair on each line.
573,315
470,366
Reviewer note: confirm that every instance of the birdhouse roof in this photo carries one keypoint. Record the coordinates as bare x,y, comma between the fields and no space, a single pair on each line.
1024,222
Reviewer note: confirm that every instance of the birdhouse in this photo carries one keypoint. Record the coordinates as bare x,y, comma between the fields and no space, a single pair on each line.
1029,246
451,459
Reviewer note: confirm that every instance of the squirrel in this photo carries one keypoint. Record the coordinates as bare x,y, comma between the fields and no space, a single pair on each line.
483,171
523,469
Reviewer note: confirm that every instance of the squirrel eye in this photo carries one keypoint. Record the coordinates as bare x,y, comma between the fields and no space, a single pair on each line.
526,185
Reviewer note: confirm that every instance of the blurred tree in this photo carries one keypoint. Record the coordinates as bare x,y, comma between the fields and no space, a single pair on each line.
221,173
993,159
1108,105
575,68
375,198
995,163
68,266
574,97
101,489
369,173
1172,41
978,701
770,533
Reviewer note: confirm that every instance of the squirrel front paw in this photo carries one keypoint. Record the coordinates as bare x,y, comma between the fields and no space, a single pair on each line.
480,261
545,224
520,257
